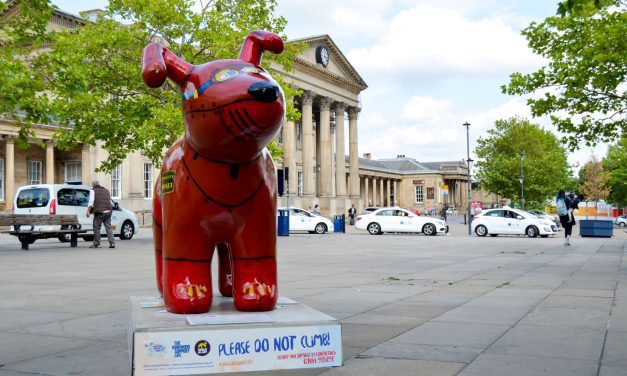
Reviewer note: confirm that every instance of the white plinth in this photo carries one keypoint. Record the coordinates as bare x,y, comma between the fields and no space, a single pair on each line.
290,337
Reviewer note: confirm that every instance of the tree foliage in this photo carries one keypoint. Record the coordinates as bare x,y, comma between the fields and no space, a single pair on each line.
545,166
594,182
615,163
93,74
583,86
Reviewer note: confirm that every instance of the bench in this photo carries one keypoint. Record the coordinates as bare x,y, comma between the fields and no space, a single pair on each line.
23,226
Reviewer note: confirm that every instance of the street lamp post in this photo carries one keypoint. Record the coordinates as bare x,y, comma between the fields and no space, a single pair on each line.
522,181
469,161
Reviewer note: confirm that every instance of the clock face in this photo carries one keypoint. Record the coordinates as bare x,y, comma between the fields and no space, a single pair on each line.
322,56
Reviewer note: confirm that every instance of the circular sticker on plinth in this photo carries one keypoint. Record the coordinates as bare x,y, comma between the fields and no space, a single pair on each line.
202,348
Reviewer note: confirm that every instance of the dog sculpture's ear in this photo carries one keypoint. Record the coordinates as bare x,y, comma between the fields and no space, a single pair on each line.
256,43
159,63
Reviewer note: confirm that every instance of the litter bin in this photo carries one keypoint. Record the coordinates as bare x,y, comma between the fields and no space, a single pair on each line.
339,224
283,223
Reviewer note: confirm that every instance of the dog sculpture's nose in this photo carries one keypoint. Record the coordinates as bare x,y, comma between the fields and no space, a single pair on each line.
264,91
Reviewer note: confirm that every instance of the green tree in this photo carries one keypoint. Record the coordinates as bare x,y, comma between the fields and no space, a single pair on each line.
615,163
545,166
93,73
583,85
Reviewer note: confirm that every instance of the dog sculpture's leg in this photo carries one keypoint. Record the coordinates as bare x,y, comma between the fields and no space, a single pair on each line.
157,231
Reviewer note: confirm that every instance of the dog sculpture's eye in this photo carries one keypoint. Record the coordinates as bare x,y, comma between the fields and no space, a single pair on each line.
225,74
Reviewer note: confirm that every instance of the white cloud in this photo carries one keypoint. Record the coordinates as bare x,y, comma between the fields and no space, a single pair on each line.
421,108
430,40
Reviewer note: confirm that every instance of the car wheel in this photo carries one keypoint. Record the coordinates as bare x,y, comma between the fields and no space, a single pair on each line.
622,224
429,229
544,236
127,230
88,238
374,228
65,238
481,230
531,231
320,228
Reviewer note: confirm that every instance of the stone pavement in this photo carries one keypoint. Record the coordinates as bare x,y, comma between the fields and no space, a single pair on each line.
409,304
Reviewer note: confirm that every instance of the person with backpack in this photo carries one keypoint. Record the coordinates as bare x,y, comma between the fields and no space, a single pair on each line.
563,203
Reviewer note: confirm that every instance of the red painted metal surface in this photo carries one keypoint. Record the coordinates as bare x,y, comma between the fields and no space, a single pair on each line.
217,188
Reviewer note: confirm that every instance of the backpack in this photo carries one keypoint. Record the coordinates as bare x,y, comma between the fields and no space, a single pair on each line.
561,208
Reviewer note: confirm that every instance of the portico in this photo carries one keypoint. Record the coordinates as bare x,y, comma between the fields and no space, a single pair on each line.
315,146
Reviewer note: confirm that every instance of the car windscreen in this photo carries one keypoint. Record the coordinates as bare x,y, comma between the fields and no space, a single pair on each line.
33,198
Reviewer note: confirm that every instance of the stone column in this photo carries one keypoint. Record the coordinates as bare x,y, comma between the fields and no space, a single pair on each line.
382,192
375,199
353,113
289,157
308,145
367,193
396,196
49,162
387,197
325,147
9,167
340,162
86,166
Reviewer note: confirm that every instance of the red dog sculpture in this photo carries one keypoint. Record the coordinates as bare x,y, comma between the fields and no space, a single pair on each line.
217,188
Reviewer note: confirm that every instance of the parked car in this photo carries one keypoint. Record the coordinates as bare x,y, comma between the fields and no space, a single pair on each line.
621,220
547,216
396,219
302,220
71,199
508,221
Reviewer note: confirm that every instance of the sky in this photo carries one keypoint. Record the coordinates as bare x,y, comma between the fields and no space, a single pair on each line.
430,66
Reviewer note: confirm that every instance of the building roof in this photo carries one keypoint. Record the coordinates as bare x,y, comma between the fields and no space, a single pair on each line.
406,166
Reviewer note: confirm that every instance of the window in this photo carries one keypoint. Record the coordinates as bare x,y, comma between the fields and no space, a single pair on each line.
73,172
387,213
34,172
148,185
33,198
419,194
73,197
300,183
1,179
116,182
299,135
495,213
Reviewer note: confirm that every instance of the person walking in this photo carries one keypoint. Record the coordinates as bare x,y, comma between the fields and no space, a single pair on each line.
574,204
316,209
563,203
100,206
444,210
351,214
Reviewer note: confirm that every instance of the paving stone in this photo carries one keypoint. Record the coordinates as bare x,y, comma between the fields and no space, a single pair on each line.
453,334
584,292
482,315
376,319
395,350
567,316
396,367
517,365
12,319
585,302
612,371
615,353
16,347
413,309
567,342
367,336
110,326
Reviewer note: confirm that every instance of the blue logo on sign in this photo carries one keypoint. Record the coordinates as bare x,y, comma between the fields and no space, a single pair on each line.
179,349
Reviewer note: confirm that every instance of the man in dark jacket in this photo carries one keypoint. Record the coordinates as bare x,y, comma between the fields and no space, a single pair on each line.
100,207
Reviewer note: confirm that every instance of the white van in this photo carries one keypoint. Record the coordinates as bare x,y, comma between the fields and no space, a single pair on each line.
71,199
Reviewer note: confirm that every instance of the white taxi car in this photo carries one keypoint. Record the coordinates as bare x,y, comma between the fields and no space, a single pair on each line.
508,221
302,220
399,220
